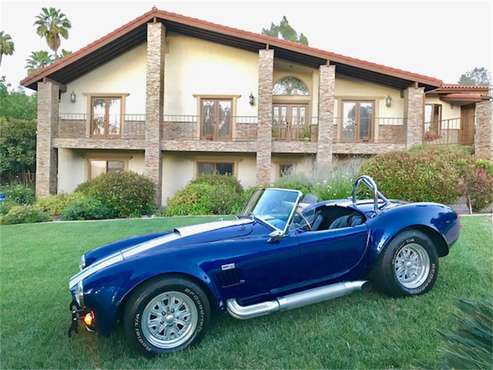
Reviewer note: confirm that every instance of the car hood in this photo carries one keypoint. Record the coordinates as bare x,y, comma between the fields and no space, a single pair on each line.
201,233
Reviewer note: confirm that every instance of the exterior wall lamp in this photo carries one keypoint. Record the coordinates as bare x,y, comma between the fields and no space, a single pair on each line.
388,101
251,99
73,97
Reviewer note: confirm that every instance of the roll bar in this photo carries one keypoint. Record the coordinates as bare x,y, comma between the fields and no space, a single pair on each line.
372,185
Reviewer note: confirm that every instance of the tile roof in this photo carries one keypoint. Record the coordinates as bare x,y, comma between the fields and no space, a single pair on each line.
234,32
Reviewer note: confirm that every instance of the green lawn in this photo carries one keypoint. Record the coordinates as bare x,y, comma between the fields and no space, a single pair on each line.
364,330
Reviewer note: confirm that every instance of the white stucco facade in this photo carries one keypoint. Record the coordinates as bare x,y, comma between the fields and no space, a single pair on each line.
197,68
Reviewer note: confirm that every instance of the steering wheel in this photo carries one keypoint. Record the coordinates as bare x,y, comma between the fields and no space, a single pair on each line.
307,224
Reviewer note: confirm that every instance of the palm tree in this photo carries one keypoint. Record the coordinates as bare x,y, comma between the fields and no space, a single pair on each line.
6,45
37,60
51,24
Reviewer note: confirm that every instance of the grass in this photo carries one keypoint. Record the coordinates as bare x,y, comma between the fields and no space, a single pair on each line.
364,330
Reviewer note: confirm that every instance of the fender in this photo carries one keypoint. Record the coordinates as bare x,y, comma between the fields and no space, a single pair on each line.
107,290
387,224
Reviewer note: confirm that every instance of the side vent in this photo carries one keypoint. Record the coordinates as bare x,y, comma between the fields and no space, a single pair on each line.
229,277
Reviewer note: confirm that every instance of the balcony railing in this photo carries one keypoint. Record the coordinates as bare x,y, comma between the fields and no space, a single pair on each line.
188,127
448,131
76,126
377,130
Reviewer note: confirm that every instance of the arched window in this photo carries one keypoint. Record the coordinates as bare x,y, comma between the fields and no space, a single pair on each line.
290,86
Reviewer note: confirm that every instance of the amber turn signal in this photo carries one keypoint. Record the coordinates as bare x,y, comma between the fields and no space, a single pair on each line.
89,318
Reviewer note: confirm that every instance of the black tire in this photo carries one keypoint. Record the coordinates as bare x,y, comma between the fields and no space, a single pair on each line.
384,276
136,304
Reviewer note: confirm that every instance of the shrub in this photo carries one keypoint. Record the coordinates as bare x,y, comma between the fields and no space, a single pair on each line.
334,188
422,174
55,204
22,214
470,346
5,206
215,180
18,193
478,184
208,194
125,194
85,208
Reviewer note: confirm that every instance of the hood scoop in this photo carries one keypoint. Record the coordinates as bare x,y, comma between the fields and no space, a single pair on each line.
210,226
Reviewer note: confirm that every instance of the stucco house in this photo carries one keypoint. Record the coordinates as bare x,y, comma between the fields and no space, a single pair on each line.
173,97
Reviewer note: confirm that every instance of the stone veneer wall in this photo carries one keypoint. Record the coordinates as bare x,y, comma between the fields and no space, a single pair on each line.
483,140
392,134
326,117
414,114
154,104
264,126
46,156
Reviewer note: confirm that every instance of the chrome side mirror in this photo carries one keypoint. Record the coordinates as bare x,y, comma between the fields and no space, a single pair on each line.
275,236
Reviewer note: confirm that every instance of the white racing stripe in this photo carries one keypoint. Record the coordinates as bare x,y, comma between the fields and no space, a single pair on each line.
210,226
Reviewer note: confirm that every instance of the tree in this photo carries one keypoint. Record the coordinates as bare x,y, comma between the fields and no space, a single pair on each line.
6,45
284,31
16,104
477,76
52,24
38,59
17,135
17,150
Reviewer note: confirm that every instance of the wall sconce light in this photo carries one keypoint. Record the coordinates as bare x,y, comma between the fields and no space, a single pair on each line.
251,99
73,97
388,101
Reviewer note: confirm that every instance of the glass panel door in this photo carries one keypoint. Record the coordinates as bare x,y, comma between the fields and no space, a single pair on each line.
348,121
224,119
289,120
357,121
207,126
114,116
216,117
365,120
106,116
98,116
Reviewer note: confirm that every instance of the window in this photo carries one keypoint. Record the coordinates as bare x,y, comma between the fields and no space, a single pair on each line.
357,120
98,167
433,116
219,168
106,115
285,169
216,115
290,86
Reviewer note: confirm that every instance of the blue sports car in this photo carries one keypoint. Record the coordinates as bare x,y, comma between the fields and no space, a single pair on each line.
284,251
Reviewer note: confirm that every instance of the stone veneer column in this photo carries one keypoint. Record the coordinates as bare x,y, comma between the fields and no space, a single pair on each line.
483,137
154,104
264,126
325,118
414,112
48,108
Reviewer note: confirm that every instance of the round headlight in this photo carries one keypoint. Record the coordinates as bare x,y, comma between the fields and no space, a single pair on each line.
79,294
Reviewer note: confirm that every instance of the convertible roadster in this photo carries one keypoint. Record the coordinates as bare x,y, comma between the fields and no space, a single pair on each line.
284,251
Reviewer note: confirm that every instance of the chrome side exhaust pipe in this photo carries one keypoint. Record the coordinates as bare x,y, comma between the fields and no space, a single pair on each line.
294,300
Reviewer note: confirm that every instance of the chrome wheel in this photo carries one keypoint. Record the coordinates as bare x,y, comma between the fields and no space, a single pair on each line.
169,319
412,265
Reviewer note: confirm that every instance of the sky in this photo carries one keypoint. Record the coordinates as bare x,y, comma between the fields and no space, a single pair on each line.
442,39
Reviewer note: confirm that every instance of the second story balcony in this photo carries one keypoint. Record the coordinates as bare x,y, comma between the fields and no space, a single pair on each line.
236,133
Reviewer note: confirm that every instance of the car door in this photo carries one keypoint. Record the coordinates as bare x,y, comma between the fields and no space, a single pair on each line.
259,268
330,254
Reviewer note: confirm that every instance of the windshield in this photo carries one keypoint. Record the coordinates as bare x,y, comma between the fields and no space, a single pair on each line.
273,206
